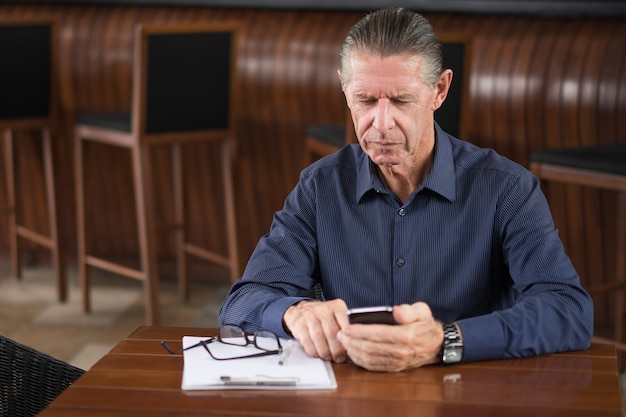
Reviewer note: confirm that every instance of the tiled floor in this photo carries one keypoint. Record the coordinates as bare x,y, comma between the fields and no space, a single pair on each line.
30,313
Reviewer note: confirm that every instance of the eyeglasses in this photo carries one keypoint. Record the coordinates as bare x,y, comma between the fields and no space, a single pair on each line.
232,334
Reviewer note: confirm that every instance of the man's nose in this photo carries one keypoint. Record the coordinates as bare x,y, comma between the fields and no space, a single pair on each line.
382,119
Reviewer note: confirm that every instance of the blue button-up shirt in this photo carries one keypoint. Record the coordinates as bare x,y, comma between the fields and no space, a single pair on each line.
476,242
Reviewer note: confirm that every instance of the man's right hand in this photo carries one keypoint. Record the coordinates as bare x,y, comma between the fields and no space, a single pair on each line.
315,325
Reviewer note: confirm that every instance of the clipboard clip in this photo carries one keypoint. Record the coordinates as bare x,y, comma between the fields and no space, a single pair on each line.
260,380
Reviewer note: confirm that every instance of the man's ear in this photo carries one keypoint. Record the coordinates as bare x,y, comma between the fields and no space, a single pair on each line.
342,89
442,88
340,78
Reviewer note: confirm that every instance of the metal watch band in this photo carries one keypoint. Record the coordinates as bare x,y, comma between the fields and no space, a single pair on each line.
452,348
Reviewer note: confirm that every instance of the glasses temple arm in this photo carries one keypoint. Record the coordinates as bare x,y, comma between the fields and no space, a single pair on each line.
176,352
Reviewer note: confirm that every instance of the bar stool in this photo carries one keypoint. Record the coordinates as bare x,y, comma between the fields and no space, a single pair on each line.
28,97
602,167
322,140
183,83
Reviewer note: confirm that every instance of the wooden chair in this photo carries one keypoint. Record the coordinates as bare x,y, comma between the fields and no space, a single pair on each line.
28,103
602,167
183,84
30,380
322,140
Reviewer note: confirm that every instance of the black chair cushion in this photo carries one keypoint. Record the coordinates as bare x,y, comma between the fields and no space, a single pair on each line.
332,134
119,120
188,82
25,71
449,114
605,158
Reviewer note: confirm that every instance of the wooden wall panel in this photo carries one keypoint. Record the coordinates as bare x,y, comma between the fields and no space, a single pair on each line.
283,81
535,83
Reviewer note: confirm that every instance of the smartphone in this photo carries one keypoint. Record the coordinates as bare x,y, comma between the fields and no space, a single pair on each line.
372,315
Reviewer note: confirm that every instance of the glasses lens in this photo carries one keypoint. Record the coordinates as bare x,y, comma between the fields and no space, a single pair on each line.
266,340
233,335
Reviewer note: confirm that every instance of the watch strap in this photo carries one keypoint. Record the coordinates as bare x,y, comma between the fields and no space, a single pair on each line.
452,347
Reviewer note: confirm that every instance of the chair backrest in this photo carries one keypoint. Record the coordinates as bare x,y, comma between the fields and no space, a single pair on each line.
29,379
451,116
27,72
185,79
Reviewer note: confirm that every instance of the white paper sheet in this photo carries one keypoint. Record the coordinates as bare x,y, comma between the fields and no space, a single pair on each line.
202,372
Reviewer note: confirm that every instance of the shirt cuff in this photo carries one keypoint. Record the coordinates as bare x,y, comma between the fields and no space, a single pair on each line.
483,338
273,315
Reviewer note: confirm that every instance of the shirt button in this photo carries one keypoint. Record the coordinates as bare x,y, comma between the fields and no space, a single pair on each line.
402,212
399,261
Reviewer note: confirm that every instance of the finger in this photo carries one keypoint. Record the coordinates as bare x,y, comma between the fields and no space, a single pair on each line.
301,333
374,356
329,315
319,338
406,313
377,333
340,311
336,351
315,326
386,357
305,328
393,348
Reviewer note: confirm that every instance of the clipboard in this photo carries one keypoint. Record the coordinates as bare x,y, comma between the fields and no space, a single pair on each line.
298,372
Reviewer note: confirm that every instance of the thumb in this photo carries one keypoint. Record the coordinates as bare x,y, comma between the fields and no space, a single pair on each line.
409,313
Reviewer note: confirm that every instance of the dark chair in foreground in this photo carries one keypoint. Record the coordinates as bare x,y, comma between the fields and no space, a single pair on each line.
322,140
30,380
183,82
28,103
602,167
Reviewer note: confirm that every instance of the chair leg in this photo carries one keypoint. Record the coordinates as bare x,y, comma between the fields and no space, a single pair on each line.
620,267
142,173
58,260
179,221
83,271
12,209
229,204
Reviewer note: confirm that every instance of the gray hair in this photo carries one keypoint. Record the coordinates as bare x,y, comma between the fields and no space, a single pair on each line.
394,31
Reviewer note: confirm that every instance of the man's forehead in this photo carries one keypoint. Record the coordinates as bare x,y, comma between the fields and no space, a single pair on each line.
373,75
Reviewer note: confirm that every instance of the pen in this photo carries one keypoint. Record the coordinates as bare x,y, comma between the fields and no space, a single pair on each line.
247,382
286,352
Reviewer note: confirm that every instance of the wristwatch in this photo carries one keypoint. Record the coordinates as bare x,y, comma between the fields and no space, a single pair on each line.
452,348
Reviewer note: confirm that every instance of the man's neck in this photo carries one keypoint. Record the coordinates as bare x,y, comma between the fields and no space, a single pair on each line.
403,180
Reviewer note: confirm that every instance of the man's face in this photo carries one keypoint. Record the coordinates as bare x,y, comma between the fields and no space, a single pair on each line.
392,107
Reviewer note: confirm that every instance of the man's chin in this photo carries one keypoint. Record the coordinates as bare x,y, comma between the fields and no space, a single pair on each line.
384,159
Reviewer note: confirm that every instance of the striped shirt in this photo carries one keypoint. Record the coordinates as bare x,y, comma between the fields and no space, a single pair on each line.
476,242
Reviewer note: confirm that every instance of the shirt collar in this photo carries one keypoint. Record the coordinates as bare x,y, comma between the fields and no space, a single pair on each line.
440,179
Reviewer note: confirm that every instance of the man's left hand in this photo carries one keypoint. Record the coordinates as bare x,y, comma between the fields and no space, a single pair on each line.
415,341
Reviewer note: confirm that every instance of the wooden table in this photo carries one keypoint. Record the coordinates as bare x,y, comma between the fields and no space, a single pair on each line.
138,378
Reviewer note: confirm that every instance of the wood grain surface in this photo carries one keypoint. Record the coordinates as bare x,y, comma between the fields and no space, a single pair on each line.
535,83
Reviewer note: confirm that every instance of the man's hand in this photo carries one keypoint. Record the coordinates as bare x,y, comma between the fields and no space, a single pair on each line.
315,325
414,342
